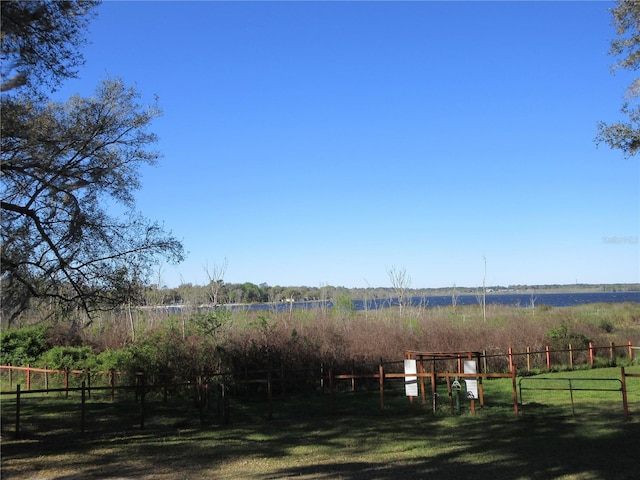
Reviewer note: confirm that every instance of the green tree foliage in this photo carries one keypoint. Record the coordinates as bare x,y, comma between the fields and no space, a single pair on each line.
65,165
344,304
561,336
22,346
253,293
61,357
625,135
212,324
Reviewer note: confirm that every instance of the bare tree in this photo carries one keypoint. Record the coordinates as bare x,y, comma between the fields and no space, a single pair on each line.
400,282
454,296
215,276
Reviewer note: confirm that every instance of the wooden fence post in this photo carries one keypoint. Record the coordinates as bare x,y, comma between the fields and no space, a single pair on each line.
625,405
17,411
528,359
571,356
112,383
225,404
450,392
420,369
142,395
82,407
353,375
270,393
612,353
89,382
591,354
331,389
512,367
548,354
381,382
485,366
434,393
28,377
630,351
515,392
201,402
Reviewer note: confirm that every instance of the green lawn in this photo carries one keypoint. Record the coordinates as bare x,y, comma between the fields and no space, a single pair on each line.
305,439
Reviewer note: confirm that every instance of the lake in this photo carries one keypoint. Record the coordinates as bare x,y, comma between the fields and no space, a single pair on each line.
510,299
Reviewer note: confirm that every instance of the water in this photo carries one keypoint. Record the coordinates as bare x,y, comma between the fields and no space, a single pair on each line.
517,299
509,299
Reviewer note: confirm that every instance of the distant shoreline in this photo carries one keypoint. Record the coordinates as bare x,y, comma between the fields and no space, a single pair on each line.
510,298
517,289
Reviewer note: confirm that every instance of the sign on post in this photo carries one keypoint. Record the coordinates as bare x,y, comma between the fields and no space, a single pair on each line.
411,378
471,366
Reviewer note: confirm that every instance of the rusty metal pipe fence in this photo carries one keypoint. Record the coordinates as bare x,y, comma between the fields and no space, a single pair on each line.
269,383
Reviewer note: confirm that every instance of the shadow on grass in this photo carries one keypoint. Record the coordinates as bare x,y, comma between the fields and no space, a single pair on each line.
304,440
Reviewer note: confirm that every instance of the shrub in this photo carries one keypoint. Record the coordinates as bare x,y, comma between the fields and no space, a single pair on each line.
24,345
61,357
560,337
118,360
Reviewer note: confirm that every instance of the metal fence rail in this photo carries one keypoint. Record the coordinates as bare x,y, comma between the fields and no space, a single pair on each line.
571,385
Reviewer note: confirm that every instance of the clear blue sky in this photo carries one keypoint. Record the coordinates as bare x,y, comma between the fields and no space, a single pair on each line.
315,143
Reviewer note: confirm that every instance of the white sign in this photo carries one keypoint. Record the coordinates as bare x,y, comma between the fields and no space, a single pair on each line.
471,366
410,379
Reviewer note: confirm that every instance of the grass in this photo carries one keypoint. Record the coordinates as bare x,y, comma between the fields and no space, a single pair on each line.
305,439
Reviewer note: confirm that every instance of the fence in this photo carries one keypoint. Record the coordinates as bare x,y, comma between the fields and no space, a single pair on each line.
262,382
382,376
200,394
527,361
549,358
572,385
66,379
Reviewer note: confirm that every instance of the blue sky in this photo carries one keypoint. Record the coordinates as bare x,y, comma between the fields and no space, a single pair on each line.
322,143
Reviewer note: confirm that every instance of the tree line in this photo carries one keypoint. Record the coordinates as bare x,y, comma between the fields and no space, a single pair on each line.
251,293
